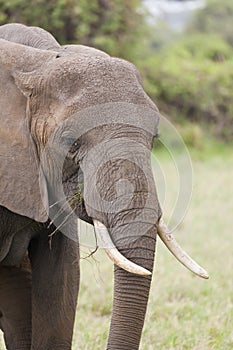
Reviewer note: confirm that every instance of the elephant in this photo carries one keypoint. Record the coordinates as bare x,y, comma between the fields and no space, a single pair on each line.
76,134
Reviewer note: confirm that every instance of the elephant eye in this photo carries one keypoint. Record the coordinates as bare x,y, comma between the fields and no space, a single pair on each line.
71,143
74,146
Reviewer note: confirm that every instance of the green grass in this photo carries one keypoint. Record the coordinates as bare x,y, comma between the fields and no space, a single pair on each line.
184,311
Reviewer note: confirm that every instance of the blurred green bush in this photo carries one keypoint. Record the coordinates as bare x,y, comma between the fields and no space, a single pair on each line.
192,77
111,25
215,17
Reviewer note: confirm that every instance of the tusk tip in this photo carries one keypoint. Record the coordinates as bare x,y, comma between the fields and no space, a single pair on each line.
169,240
204,274
146,272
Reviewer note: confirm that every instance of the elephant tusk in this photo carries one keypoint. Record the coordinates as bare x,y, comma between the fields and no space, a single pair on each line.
170,242
113,253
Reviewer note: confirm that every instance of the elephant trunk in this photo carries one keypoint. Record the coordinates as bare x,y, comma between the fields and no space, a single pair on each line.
133,231
131,293
129,308
129,208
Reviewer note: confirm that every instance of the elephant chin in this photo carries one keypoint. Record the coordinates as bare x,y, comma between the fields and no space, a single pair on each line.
167,238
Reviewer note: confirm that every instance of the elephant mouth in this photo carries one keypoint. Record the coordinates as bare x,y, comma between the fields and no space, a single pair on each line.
73,187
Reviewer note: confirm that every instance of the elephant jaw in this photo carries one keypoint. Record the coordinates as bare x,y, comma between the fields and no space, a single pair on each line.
167,238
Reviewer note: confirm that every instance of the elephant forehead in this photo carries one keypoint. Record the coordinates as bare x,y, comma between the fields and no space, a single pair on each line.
94,75
83,83
83,64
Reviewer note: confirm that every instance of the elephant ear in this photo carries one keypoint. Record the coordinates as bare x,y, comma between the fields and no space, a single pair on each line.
22,183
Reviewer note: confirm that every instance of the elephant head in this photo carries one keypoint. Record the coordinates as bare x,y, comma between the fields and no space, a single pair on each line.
77,131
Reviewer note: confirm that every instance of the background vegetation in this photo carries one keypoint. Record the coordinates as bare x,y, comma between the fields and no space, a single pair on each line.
188,74
111,25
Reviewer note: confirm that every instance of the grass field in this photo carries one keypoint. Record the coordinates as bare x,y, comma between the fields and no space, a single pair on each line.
184,312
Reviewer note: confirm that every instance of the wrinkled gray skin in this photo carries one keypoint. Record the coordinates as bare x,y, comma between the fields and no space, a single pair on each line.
39,277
